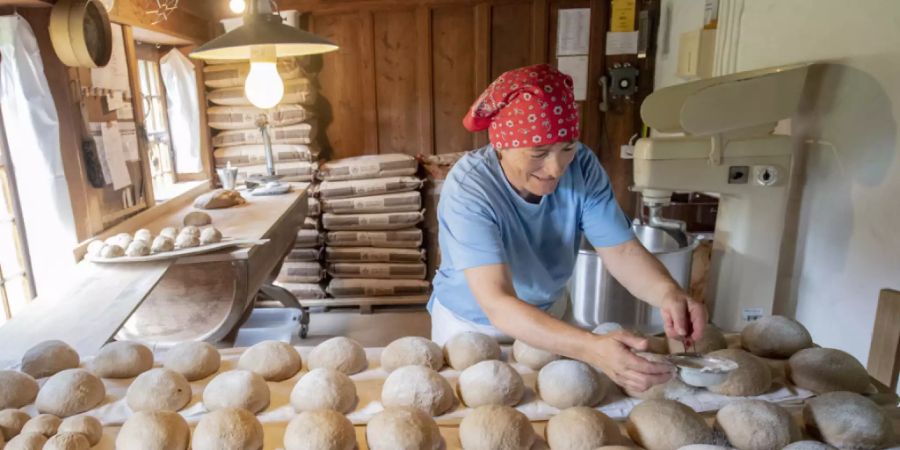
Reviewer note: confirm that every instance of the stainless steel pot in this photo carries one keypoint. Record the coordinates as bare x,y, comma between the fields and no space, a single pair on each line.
596,297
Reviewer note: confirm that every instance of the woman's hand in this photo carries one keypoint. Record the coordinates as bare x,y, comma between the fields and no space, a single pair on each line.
613,354
683,317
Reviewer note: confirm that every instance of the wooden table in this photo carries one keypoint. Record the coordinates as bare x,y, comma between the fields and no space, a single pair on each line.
194,297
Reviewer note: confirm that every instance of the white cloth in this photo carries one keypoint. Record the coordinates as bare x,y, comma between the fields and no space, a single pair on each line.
32,132
445,323
180,79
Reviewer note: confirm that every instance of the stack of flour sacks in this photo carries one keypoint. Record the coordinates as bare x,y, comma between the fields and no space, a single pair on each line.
371,211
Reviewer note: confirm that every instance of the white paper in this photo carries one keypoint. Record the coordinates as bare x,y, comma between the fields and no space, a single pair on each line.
115,157
577,68
115,100
573,33
114,75
129,141
125,112
625,43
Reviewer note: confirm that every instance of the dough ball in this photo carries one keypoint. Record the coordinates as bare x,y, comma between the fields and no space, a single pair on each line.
667,425
94,247
112,251
808,445
70,392
194,360
567,383
847,420
162,244
137,248
237,389
45,424
324,389
775,337
186,241
495,427
48,358
169,232
122,359
403,427
17,389
154,430
197,218
532,357
274,360
324,429
827,370
89,426
121,240
757,425
705,447
339,353
67,441
210,235
158,390
412,351
27,441
190,230
143,235
752,377
468,348
581,427
420,387
12,421
228,429
490,382
712,340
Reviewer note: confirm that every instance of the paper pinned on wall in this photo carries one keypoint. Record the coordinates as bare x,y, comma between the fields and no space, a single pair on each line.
573,34
622,15
115,157
577,68
622,43
114,75
115,100
125,112
97,135
129,141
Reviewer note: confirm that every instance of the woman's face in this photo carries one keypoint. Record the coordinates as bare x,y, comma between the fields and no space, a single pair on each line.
537,170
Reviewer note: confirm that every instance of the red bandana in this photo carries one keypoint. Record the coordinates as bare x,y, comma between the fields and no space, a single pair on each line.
526,107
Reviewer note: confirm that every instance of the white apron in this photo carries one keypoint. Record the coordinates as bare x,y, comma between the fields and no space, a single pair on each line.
446,324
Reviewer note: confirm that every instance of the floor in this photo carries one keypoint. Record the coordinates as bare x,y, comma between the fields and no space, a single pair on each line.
377,329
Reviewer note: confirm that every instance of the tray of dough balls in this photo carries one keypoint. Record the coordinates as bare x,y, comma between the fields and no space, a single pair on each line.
197,236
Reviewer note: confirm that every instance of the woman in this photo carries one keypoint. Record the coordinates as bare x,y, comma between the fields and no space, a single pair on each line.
511,217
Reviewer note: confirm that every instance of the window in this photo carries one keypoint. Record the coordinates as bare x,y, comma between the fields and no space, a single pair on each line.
16,281
162,166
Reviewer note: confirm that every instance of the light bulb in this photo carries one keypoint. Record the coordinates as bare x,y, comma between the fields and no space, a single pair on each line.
263,87
237,6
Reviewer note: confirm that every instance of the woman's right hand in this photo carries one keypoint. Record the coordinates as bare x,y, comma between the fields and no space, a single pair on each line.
613,354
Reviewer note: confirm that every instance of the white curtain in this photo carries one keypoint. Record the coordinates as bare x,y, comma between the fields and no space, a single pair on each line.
184,110
32,131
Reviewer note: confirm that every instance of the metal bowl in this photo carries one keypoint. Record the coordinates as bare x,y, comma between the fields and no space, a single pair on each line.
702,371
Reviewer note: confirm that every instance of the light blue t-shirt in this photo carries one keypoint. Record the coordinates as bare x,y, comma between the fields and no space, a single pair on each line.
483,221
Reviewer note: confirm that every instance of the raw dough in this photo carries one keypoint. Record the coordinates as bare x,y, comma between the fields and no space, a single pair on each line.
70,392
324,389
324,429
809,445
403,427
712,340
848,421
237,389
581,427
465,349
219,198
94,247
143,235
666,425
194,360
67,441
532,357
775,337
186,241
158,390
826,370
672,389
162,244
45,424
12,421
48,358
197,218
17,389
757,425
567,383
112,251
752,377
705,447
494,427
418,386
412,351
89,426
121,239
274,360
228,429
27,441
154,430
122,359
210,235
490,382
137,248
169,232
339,353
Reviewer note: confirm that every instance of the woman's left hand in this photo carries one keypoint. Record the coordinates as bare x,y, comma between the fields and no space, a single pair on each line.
683,317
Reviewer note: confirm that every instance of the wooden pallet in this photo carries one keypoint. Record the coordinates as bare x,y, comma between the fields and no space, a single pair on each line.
365,304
